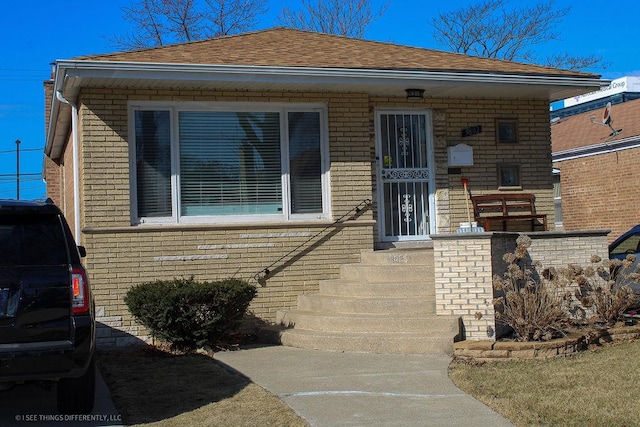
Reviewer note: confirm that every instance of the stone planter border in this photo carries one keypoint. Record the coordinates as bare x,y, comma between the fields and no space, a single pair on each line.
502,351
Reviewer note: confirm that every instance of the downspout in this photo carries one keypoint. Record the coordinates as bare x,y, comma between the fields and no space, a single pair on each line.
76,166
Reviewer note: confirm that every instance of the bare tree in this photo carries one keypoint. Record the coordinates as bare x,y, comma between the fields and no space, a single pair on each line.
349,18
570,62
233,16
491,29
161,22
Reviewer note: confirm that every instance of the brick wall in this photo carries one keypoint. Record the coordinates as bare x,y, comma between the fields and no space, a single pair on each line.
120,255
118,259
464,282
466,263
600,192
532,153
53,177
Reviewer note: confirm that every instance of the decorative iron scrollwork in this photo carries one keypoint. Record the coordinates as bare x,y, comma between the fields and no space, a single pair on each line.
407,208
402,174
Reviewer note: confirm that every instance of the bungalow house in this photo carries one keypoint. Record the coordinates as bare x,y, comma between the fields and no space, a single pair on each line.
597,161
292,159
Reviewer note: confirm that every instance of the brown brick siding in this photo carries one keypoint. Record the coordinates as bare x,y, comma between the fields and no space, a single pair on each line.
53,177
600,192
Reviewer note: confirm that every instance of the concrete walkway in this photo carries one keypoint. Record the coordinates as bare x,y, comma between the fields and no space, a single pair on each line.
359,389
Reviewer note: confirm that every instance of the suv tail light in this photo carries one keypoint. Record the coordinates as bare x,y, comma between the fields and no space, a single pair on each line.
80,291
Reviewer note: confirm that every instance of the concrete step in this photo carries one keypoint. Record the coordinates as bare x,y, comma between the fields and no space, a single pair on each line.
397,289
387,343
362,323
387,273
385,304
409,305
398,257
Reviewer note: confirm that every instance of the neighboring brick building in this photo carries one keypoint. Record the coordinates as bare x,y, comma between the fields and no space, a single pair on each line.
599,169
217,158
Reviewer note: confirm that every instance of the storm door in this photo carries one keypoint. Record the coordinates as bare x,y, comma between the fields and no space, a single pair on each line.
405,175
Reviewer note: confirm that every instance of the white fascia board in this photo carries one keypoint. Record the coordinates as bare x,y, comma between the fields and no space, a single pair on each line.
54,110
596,149
240,73
69,75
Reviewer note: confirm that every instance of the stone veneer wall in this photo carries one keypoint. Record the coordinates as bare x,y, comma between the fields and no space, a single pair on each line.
465,264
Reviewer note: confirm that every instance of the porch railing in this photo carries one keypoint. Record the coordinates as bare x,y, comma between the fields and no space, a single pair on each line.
263,274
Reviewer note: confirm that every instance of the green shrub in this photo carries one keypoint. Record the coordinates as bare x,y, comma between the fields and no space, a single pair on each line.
189,314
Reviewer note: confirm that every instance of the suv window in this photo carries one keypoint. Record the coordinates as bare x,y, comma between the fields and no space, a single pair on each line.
628,246
32,239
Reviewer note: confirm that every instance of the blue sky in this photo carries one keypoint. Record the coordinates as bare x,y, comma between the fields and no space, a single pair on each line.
36,33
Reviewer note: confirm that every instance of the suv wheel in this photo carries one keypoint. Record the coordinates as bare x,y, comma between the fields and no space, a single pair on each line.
76,395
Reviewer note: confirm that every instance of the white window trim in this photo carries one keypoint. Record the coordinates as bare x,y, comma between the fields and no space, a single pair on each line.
283,108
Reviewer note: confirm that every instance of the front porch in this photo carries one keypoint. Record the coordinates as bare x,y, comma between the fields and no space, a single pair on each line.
423,297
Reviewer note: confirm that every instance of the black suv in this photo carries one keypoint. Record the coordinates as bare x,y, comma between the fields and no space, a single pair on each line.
47,320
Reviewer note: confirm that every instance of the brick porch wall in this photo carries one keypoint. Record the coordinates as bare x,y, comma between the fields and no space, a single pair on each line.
465,264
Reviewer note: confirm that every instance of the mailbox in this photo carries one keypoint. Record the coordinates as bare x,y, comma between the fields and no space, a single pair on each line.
460,155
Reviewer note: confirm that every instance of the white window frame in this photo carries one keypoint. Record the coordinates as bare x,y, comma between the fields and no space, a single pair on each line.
557,200
174,107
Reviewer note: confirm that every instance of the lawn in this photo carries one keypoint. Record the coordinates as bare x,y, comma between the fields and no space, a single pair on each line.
153,387
588,389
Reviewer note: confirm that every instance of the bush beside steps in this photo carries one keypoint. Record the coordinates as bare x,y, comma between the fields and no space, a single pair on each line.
188,314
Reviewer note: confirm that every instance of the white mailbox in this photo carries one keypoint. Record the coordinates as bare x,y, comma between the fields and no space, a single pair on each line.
460,155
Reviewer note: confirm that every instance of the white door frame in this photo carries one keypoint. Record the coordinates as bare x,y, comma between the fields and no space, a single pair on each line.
386,173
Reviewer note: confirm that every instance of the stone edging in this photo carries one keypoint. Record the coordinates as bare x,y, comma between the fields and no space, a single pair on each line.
498,351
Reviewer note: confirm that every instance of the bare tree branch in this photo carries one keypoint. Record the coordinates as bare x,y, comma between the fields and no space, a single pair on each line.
148,28
160,22
570,62
490,29
183,18
349,18
233,16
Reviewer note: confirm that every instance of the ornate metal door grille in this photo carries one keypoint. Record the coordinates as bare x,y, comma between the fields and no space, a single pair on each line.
403,162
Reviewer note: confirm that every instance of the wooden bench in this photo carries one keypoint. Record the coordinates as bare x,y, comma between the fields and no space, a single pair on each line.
506,207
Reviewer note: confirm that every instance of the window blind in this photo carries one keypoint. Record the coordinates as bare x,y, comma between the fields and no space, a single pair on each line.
305,164
230,163
153,163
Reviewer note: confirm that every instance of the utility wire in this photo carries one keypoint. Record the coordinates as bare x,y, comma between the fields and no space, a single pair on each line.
22,150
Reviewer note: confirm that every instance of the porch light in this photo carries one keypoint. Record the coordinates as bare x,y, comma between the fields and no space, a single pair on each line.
414,94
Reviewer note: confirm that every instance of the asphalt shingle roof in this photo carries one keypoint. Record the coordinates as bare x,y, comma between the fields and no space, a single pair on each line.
285,47
578,131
